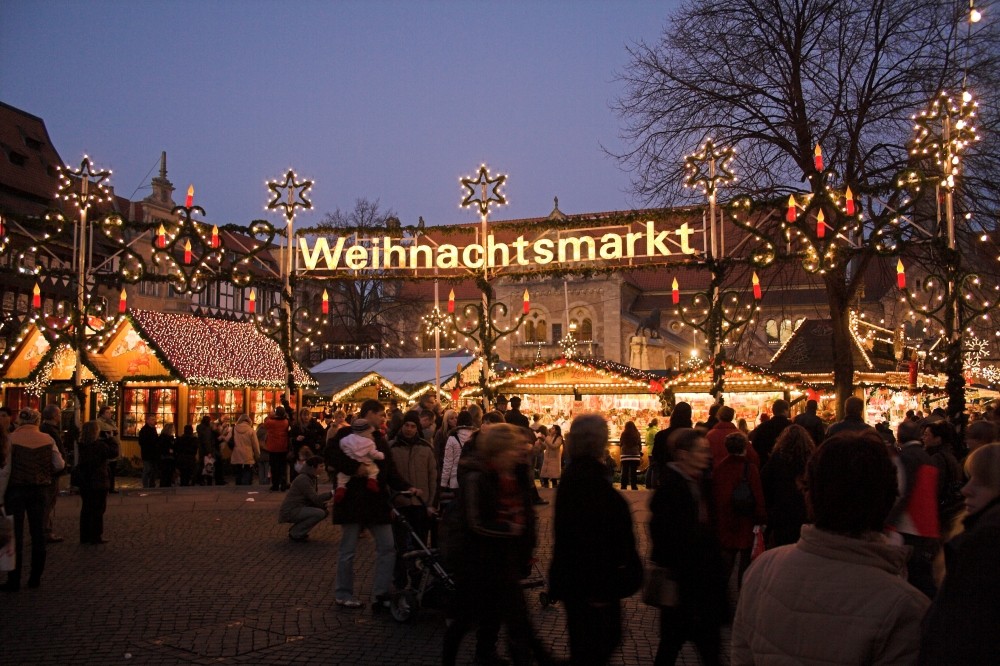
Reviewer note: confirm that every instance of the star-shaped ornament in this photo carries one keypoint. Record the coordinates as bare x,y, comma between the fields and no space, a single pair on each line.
487,189
289,195
71,189
709,168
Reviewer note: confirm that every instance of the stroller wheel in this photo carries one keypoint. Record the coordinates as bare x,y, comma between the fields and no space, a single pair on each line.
402,607
543,599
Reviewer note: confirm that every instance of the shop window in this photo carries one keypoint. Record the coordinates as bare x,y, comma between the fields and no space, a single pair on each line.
138,402
262,401
214,403
18,398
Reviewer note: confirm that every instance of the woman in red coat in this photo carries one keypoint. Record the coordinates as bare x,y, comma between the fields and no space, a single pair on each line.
276,445
736,517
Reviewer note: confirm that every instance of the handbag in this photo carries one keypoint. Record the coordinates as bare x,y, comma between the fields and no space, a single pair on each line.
7,556
660,588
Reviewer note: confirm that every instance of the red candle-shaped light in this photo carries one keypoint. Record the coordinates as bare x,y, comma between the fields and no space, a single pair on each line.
527,302
187,251
36,297
215,236
253,301
849,201
451,302
900,275
675,292
818,158
161,237
326,302
121,301
189,200
791,214
820,225
756,286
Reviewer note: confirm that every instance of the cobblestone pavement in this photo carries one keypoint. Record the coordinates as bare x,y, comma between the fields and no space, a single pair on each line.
207,576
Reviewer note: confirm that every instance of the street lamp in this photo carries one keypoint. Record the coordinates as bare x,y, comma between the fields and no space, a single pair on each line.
481,320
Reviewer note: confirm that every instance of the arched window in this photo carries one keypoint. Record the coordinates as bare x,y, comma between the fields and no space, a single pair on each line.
771,329
787,328
540,330
586,330
529,331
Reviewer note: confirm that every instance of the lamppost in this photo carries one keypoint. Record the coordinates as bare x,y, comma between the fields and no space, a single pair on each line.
481,319
954,295
715,312
285,321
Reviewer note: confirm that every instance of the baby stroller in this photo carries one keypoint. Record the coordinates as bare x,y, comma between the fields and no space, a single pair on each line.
434,585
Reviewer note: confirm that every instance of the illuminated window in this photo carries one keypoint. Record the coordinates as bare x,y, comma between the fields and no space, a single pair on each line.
214,403
138,402
771,329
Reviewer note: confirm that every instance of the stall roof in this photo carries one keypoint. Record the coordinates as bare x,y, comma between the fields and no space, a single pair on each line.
582,376
810,348
397,370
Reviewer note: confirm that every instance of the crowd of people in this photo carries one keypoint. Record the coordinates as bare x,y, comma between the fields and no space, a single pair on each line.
837,543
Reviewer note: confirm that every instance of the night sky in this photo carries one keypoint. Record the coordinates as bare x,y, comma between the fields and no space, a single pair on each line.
393,101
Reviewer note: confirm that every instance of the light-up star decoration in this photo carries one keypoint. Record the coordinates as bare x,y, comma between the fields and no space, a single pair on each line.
83,194
486,188
709,168
289,195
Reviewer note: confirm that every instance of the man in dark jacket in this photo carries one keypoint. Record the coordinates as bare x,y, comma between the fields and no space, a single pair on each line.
149,449
853,421
766,434
811,421
363,509
594,560
514,415
52,426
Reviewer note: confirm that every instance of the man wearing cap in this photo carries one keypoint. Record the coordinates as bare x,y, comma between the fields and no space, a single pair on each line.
363,509
304,506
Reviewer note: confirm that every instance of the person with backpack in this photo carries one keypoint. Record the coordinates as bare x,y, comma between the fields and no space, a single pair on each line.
739,501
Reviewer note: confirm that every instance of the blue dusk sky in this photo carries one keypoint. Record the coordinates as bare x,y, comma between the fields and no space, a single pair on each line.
391,101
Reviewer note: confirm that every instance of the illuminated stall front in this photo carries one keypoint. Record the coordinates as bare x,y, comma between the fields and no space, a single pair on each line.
750,391
347,390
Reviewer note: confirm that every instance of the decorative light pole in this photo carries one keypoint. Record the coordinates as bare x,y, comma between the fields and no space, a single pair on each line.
481,319
954,295
716,313
283,322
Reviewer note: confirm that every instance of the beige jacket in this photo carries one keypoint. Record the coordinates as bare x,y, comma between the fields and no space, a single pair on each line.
828,599
246,448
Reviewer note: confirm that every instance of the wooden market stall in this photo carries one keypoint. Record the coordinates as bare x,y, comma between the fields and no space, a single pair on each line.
350,389
749,390
177,366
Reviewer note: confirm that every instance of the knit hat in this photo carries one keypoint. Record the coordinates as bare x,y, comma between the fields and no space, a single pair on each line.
412,416
360,425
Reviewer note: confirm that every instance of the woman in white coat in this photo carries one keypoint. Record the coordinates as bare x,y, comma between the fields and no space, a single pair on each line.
552,457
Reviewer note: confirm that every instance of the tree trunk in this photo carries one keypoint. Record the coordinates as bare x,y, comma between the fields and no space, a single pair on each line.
843,358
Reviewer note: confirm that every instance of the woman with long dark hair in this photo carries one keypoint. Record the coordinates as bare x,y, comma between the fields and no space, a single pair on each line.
631,455
782,478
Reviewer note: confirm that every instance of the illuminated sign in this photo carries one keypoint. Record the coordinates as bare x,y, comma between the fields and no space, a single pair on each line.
342,253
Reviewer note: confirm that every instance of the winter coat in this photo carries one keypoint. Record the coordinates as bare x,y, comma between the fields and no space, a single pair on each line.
829,599
849,424
786,505
206,440
246,448
916,509
34,457
630,446
552,457
414,459
149,446
312,435
961,626
360,505
766,434
92,465
736,530
277,435
813,424
594,542
452,453
302,493
685,540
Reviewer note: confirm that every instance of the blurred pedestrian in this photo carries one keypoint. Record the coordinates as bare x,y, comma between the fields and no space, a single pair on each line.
684,539
661,453
961,626
34,460
594,559
92,473
552,456
52,426
838,595
783,481
737,515
938,438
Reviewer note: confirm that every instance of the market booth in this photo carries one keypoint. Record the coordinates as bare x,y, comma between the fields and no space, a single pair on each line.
352,388
750,391
177,366
887,374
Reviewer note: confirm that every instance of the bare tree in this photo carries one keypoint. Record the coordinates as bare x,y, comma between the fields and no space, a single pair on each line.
367,313
775,78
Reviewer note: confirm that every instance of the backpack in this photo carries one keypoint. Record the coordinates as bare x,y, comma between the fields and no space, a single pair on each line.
742,500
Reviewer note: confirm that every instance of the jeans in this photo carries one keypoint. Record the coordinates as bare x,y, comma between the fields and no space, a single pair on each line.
30,501
630,474
148,474
306,518
385,559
